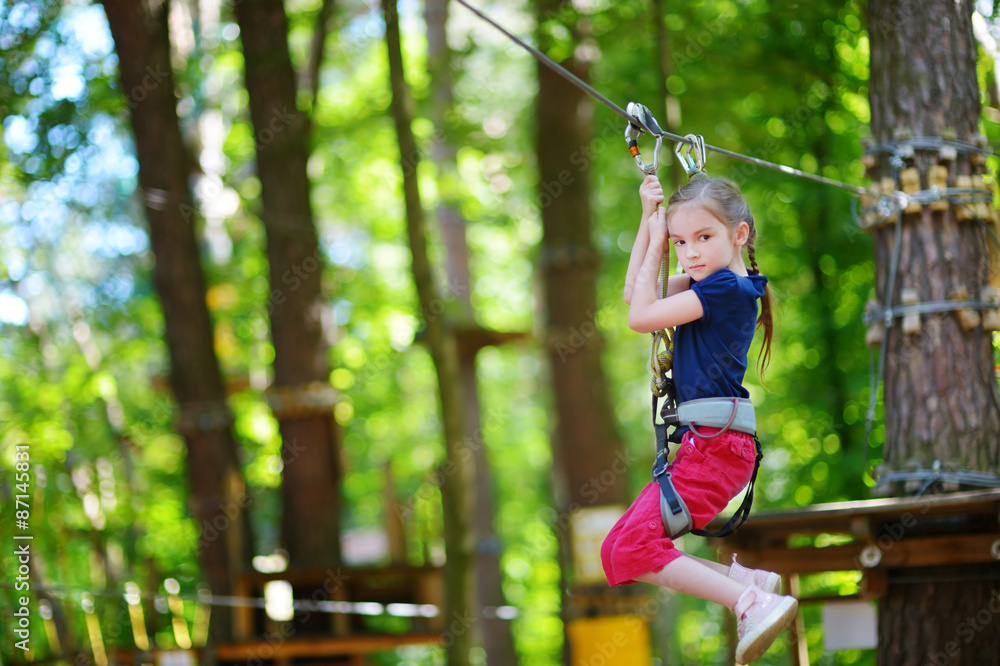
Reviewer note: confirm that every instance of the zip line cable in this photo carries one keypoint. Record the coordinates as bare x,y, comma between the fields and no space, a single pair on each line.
587,88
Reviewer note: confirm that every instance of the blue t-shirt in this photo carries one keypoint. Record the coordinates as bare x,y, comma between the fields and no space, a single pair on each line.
710,354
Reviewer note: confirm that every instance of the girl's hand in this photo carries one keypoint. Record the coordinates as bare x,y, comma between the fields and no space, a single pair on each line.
658,232
651,195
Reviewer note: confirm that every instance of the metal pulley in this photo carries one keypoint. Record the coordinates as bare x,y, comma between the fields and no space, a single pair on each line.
643,122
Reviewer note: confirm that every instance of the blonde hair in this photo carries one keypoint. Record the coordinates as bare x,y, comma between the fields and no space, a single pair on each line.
722,198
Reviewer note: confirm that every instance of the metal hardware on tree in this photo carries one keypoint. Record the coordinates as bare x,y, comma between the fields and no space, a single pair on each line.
937,474
886,315
302,400
905,147
201,417
890,205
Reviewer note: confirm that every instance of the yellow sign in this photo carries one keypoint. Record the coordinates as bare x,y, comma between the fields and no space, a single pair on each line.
618,640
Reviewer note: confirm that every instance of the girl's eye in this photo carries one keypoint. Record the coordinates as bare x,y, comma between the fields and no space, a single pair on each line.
705,236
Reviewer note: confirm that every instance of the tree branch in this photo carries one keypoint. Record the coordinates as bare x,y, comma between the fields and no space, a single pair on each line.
316,48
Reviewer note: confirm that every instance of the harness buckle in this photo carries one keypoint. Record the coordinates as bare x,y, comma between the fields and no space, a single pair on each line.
660,463
676,517
669,415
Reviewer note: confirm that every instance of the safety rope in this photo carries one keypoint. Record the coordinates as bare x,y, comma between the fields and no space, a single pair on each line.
877,374
660,363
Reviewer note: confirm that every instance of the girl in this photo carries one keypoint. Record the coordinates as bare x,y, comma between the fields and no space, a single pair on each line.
714,307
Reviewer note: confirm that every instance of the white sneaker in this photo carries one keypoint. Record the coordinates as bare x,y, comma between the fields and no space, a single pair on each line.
765,580
761,616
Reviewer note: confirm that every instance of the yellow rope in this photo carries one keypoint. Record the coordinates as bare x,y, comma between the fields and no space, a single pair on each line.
661,362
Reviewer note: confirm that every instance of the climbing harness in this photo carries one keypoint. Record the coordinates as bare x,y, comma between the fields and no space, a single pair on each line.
723,413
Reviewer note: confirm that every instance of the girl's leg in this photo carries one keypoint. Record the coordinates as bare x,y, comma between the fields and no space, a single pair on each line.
715,566
689,575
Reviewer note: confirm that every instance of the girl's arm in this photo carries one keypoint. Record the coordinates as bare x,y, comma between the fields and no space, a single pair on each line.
651,196
639,248
648,312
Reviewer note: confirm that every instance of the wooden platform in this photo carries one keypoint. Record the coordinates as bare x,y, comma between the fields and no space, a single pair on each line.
382,585
346,651
318,648
956,528
871,536
334,638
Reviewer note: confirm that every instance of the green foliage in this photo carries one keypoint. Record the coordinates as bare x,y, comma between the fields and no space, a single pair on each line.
83,369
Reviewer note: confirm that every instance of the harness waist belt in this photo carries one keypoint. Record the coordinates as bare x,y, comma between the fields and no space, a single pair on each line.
727,413
723,413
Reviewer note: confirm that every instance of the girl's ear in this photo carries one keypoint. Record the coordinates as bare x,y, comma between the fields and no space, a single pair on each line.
742,233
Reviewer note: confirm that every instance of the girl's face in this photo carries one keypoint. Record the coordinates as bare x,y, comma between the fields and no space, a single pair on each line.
704,244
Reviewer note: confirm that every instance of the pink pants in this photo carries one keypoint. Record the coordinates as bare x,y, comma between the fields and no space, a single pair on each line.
707,473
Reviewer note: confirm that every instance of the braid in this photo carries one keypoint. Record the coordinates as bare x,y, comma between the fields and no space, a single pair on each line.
766,319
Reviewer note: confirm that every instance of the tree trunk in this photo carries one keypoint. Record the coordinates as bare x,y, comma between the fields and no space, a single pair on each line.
668,108
940,392
924,82
496,634
586,442
457,470
301,398
589,463
219,500
949,619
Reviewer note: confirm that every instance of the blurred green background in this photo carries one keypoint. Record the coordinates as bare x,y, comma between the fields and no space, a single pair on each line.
83,368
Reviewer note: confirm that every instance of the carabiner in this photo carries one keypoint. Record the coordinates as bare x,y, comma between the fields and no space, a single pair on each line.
645,122
693,165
